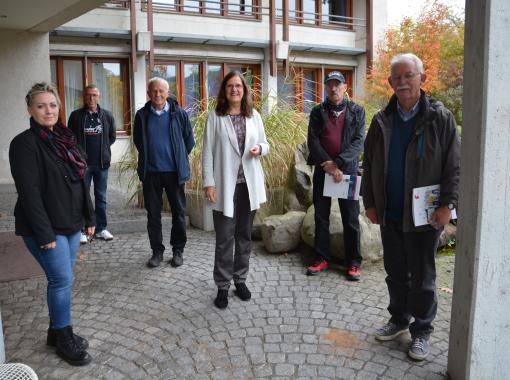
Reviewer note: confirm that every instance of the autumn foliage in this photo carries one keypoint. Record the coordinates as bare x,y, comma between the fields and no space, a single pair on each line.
437,37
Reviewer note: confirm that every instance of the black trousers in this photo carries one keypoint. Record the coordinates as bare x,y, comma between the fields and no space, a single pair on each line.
409,261
153,186
229,262
349,211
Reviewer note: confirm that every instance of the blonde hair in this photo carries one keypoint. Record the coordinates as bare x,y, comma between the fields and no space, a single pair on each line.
40,88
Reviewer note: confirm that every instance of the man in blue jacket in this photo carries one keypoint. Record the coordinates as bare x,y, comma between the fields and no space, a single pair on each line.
163,136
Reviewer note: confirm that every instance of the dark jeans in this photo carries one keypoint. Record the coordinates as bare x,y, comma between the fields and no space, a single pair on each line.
58,264
230,230
349,210
100,178
153,186
409,261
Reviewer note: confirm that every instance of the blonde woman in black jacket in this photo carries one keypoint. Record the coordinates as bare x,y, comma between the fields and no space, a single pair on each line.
52,206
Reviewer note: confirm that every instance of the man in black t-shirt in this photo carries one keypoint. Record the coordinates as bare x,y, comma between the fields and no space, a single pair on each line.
95,129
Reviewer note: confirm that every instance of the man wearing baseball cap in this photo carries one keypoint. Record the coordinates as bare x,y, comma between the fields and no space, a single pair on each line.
336,132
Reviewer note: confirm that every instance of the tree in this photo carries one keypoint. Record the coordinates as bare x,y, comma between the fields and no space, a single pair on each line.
437,37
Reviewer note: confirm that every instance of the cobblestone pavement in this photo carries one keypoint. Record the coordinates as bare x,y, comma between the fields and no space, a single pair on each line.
161,323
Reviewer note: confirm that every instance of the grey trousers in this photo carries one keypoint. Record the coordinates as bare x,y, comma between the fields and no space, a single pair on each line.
229,263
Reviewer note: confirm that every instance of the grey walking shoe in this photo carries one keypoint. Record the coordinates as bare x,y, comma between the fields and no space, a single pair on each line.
389,331
419,348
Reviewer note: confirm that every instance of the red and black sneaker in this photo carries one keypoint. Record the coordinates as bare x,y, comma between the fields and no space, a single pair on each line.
318,266
353,273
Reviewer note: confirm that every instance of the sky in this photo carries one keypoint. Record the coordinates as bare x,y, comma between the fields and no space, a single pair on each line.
398,9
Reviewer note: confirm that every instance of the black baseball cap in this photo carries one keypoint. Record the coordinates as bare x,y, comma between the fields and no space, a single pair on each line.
335,75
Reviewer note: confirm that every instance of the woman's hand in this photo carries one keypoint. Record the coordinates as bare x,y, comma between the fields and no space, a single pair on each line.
51,245
256,150
89,231
210,193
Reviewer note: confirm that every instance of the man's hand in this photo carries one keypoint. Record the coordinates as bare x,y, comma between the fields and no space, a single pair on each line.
440,217
337,175
371,214
330,167
210,193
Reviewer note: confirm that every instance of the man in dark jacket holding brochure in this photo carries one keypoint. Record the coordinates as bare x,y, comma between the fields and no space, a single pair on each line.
335,139
411,143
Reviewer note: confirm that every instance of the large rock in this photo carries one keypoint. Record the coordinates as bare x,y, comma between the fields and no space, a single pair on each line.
300,176
371,246
281,233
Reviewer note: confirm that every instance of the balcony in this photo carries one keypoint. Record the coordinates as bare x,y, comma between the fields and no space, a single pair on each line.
304,13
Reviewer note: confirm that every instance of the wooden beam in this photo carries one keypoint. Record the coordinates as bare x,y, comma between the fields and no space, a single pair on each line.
272,37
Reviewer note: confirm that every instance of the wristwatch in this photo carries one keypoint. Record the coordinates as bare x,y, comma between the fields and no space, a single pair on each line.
450,206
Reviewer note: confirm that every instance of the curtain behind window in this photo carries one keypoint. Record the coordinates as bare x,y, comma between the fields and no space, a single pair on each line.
107,77
73,85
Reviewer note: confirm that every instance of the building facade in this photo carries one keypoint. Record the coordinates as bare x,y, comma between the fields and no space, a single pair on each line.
193,43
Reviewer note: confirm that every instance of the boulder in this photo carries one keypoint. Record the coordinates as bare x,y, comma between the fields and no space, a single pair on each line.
300,176
281,233
291,202
371,246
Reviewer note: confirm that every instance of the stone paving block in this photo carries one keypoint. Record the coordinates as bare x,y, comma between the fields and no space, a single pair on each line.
162,324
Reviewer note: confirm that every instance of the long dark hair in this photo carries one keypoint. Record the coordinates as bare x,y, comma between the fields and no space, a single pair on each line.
246,101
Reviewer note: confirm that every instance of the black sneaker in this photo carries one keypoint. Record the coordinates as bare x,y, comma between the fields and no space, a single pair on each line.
155,260
221,300
176,260
242,291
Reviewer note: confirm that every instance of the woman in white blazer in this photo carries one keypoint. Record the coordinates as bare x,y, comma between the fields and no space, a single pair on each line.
234,140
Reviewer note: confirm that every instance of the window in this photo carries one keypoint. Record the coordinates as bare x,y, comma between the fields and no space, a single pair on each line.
192,94
234,8
286,89
304,86
111,77
214,77
193,82
336,13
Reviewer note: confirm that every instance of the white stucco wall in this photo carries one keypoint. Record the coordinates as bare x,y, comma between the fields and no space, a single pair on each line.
25,60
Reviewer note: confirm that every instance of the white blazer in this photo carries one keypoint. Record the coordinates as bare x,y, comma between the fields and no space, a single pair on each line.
221,159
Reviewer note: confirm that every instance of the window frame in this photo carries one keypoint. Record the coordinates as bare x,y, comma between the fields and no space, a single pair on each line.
87,79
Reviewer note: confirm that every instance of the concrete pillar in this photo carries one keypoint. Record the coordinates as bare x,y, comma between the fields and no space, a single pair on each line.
139,84
269,83
25,60
480,322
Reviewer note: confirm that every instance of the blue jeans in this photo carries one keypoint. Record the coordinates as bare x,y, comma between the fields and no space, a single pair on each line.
100,177
58,264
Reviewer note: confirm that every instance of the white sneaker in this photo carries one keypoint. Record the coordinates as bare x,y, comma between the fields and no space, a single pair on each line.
83,239
105,235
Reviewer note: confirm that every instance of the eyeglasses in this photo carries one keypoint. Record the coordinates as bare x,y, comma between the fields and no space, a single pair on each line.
406,76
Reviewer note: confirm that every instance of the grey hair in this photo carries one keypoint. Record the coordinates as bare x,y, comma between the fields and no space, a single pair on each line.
41,88
408,57
157,79
91,86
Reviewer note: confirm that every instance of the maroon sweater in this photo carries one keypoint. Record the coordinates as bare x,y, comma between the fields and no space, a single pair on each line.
331,137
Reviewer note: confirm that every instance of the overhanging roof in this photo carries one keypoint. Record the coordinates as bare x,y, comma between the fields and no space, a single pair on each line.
204,40
42,15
